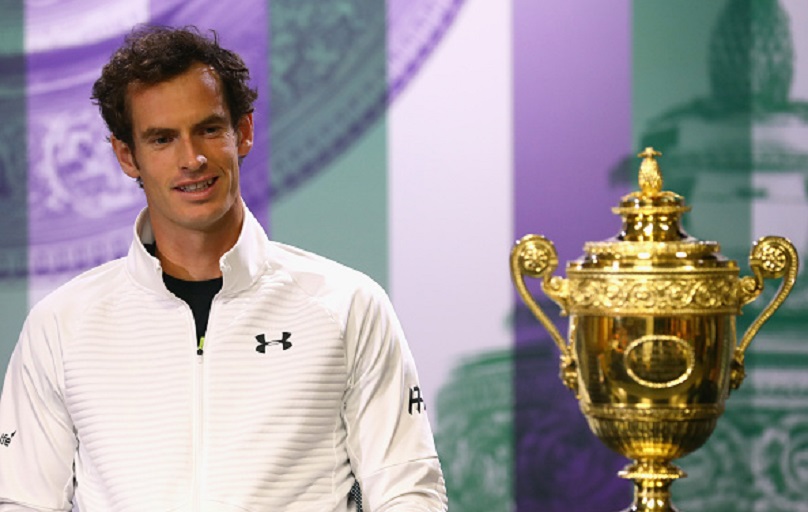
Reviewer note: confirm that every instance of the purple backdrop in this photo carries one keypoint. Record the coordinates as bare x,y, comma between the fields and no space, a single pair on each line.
572,123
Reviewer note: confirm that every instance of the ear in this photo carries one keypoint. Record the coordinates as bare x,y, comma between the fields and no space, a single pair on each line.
126,158
245,132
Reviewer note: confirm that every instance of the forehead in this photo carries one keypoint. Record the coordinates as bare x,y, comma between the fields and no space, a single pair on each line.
190,96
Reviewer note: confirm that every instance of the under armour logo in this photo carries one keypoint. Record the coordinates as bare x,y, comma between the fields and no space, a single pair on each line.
416,401
263,343
5,439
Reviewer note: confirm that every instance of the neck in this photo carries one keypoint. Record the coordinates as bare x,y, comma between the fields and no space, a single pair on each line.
195,255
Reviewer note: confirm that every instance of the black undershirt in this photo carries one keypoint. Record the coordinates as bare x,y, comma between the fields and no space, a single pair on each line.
197,294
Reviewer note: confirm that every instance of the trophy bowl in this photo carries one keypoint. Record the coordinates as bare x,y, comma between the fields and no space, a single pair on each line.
652,351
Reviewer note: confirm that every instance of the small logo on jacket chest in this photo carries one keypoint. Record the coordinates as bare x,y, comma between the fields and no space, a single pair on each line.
263,343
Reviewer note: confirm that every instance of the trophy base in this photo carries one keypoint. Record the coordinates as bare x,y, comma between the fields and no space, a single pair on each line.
652,481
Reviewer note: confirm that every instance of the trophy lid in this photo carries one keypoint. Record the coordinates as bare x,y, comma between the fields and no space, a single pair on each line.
652,234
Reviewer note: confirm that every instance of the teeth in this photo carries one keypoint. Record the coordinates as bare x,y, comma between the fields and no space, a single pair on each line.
197,186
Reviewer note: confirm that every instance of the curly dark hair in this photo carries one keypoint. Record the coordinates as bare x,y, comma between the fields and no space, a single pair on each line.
154,54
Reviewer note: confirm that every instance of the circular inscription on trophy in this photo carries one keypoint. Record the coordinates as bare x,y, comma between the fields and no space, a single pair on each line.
659,361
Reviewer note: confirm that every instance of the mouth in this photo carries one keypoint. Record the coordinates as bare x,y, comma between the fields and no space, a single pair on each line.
197,187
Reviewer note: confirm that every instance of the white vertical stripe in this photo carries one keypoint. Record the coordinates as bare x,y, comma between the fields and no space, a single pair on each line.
798,19
450,195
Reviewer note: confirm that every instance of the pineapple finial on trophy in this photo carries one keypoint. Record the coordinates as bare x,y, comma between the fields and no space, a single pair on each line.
650,177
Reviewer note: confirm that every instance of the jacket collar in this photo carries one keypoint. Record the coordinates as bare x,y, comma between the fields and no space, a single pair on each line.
247,260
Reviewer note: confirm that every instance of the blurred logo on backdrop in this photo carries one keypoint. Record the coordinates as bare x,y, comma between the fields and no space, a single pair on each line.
334,67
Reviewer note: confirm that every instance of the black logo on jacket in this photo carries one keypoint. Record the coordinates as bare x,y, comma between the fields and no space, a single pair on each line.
416,400
5,439
263,343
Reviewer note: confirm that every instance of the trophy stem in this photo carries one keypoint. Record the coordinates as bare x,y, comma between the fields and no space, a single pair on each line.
652,481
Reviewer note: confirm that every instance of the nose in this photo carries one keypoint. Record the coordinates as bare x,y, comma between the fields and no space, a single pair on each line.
191,158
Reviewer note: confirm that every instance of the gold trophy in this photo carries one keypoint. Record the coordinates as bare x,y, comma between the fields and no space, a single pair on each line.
652,352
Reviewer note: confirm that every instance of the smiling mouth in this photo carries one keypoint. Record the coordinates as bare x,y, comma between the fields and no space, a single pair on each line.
197,187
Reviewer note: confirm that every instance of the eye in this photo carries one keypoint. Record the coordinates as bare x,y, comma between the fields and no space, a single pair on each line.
212,130
161,140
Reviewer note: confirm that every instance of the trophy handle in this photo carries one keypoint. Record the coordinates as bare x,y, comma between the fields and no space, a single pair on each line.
772,257
535,256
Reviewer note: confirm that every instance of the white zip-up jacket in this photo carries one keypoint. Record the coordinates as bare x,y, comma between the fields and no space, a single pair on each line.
306,384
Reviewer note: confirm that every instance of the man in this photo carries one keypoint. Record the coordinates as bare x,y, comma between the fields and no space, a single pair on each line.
210,369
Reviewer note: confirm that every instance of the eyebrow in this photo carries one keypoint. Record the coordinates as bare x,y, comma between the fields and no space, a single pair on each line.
156,131
212,119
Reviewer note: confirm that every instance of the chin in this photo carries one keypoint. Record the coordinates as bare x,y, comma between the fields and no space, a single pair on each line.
210,219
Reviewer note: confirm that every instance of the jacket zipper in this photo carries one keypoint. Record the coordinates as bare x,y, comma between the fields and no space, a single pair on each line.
199,377
198,430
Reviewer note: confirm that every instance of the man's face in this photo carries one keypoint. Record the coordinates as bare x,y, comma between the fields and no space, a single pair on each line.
186,152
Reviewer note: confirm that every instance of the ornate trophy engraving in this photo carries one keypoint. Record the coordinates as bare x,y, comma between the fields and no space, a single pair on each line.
652,351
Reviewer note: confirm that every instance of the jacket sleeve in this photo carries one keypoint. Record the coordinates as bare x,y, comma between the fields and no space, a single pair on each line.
390,441
38,443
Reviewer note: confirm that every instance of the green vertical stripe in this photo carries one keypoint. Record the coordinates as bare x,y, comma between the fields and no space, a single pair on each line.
328,73
341,212
13,178
690,64
670,57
